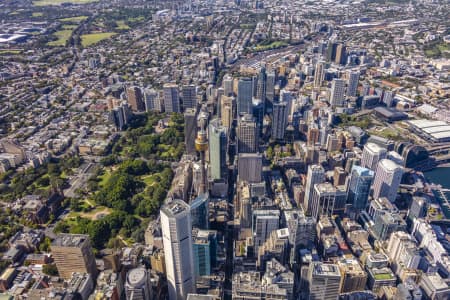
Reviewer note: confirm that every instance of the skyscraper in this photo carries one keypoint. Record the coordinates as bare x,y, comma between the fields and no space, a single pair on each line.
316,174
152,102
247,134
217,150
138,285
352,83
227,85
302,229
324,199
341,54
171,98
244,96
189,96
337,96
199,208
324,281
313,134
279,121
270,86
227,110
177,240
135,99
387,180
264,222
190,130
359,187
73,253
418,208
388,98
261,84
205,251
319,74
331,51
371,155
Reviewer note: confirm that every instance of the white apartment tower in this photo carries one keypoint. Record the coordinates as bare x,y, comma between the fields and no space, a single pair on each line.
371,155
387,180
316,174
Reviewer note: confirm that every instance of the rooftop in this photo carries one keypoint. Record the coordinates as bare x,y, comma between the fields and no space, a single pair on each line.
136,276
70,240
330,270
175,207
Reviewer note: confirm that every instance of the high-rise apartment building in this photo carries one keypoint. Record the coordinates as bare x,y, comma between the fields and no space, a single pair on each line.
337,95
315,175
247,135
171,98
73,253
371,155
177,240
387,180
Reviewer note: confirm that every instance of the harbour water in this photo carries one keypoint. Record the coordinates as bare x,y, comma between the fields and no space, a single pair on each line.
441,176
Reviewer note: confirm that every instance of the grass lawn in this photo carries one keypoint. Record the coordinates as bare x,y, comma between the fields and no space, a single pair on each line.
273,45
66,26
37,14
74,19
63,36
105,177
122,26
383,276
59,2
10,52
137,19
93,38
149,179
94,214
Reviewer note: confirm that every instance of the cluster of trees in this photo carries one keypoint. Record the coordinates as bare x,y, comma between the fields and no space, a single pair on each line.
144,142
101,231
347,120
125,191
149,202
41,180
